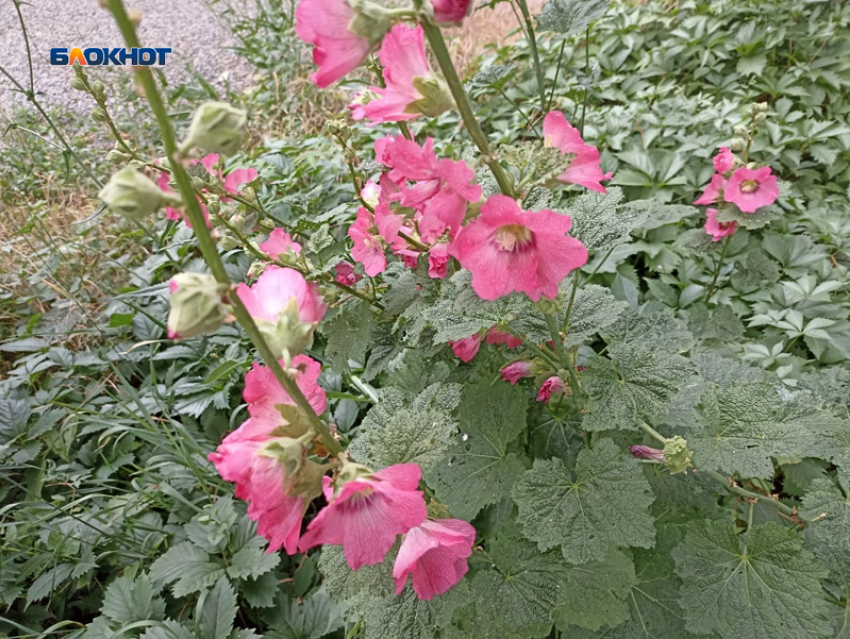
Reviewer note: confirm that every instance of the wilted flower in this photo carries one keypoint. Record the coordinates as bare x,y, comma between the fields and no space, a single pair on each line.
495,336
451,11
411,88
368,513
345,274
435,553
196,305
133,194
438,261
217,127
646,452
508,249
516,371
552,386
751,189
584,168
466,349
718,230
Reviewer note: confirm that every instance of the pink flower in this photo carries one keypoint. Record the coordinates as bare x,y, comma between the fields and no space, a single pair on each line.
409,257
435,553
713,191
718,230
438,261
451,10
552,386
584,169
271,293
367,232
516,371
466,349
442,188
403,57
345,274
724,161
495,336
645,452
371,193
279,243
338,51
508,249
368,513
751,189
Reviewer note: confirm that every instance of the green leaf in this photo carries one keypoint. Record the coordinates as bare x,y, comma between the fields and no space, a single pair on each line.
312,618
479,469
665,332
752,65
595,594
260,592
406,616
416,433
344,584
635,385
218,611
349,335
600,223
741,427
48,582
570,16
761,584
594,308
14,416
188,566
829,510
607,502
516,597
251,561
127,601
761,218
168,630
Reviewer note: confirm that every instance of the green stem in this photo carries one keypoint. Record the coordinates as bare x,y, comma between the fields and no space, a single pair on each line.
569,313
441,52
532,43
552,323
544,354
205,240
557,74
413,242
649,430
521,112
586,76
405,130
743,492
719,267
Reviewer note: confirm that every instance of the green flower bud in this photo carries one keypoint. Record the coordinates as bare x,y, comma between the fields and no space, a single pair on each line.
371,22
677,455
758,118
289,336
199,184
248,194
738,145
117,157
238,221
228,243
267,224
134,195
217,127
759,107
214,207
98,89
197,306
78,84
436,97
256,269
741,131
99,115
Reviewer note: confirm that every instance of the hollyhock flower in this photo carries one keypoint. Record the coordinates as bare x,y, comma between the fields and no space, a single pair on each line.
724,161
368,513
367,232
279,243
435,553
345,274
411,89
645,452
442,188
341,36
274,289
718,230
409,257
516,371
751,189
438,261
552,386
371,193
495,336
584,168
713,191
508,249
451,10
466,349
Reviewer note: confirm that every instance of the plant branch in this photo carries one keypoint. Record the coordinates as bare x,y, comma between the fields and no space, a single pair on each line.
205,240
532,43
552,323
718,267
749,494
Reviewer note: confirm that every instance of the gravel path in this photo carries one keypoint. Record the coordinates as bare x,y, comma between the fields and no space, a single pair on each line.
197,37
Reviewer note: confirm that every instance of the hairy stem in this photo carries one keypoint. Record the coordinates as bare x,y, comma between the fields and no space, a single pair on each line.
749,494
718,268
552,323
532,43
206,242
441,52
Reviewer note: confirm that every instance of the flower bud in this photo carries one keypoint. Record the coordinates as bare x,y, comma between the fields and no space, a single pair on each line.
758,118
741,131
267,224
248,194
196,305
214,207
99,115
198,184
677,454
759,107
238,221
217,127
228,243
98,89
256,269
78,84
738,145
371,22
647,452
134,195
117,157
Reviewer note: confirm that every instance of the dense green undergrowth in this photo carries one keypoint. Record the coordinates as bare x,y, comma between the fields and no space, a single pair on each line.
114,524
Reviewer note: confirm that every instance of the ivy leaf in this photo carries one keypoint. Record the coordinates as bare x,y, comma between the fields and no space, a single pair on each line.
570,16
349,336
606,503
418,434
595,594
516,597
218,611
479,469
741,427
126,601
406,616
758,585
594,308
188,566
635,385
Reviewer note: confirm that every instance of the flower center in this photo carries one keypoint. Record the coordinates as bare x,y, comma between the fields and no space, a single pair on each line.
511,236
748,186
